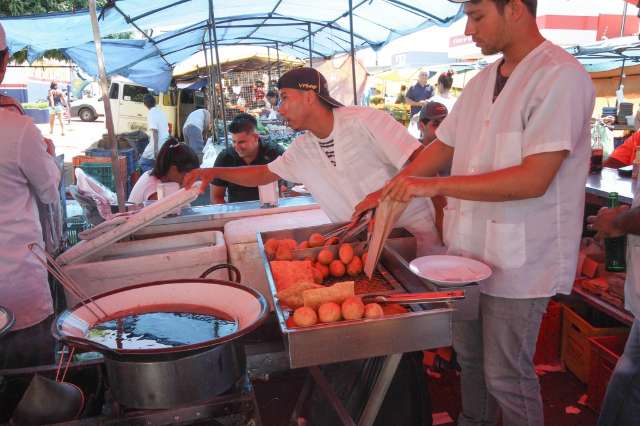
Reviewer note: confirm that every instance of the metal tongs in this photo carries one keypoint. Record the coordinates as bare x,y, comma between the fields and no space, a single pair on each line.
349,231
415,298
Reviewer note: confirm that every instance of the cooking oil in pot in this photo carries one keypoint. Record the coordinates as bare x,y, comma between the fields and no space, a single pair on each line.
153,330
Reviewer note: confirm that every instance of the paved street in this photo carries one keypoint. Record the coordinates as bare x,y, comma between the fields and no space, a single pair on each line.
79,135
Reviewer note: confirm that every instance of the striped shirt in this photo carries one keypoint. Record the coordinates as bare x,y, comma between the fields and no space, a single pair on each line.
326,145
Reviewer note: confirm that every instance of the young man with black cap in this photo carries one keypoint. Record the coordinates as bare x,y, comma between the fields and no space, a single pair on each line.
345,153
518,137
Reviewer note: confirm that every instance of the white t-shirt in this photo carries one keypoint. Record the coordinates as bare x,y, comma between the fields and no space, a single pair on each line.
532,245
156,120
199,118
369,148
146,186
27,173
448,102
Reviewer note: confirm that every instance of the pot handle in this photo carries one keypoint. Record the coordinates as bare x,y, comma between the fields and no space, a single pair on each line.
231,268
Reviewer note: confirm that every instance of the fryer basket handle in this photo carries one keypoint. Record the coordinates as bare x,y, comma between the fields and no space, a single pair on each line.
234,275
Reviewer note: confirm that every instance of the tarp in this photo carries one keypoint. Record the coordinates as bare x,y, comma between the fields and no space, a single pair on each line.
287,24
608,54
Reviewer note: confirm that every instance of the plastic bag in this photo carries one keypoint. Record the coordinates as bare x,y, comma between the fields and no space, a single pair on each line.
93,197
89,185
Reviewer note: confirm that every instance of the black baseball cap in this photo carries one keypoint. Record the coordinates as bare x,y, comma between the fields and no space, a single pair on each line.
433,111
308,79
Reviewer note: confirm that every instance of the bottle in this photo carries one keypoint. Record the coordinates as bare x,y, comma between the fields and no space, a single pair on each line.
615,248
636,164
596,152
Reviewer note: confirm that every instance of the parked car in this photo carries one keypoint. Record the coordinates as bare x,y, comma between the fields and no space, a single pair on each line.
129,112
88,109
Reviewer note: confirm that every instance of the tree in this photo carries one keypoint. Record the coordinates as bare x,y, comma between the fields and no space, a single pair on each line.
34,7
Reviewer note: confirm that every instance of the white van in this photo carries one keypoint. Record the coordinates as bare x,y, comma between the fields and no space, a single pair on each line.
129,112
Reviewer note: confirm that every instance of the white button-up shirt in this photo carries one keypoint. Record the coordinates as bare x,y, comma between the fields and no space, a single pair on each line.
370,148
27,171
532,245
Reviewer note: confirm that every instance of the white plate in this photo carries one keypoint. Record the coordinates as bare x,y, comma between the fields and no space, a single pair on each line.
300,189
450,270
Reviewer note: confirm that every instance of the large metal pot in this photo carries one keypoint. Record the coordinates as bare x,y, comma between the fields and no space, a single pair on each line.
155,378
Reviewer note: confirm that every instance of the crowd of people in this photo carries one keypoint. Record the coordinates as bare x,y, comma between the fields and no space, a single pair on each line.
497,175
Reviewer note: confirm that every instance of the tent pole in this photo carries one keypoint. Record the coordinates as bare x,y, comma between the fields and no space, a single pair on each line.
624,18
212,92
278,59
212,28
310,51
353,55
104,85
269,68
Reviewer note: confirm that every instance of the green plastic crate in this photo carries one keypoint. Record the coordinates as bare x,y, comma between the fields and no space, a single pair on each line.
101,172
75,225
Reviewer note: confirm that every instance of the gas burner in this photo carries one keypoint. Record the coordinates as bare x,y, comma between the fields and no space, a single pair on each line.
237,407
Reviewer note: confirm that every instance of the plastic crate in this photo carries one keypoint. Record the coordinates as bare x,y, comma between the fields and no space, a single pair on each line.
578,324
550,335
101,162
129,154
75,225
101,172
605,352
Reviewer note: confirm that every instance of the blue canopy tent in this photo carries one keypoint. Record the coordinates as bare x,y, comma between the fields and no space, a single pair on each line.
302,30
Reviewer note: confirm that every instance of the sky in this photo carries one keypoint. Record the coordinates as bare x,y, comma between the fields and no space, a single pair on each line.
436,39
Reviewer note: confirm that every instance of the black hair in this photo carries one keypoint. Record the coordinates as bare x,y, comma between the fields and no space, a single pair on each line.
174,153
149,100
53,85
532,5
446,79
2,53
243,122
272,94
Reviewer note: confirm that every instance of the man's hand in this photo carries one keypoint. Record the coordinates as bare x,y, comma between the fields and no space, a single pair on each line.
204,175
51,148
605,222
404,188
370,201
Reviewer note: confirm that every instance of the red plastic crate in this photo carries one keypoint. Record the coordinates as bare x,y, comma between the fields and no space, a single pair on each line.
605,352
550,335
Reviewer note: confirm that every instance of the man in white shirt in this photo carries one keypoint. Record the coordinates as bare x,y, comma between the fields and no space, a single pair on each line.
158,127
195,129
621,404
519,140
28,173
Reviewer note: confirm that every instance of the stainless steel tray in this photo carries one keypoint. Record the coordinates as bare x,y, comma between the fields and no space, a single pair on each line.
423,327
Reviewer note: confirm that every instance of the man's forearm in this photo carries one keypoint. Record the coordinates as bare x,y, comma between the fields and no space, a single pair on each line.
245,175
629,221
502,185
530,179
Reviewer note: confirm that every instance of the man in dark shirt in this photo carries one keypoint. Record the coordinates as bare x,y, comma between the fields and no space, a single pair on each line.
418,94
247,150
